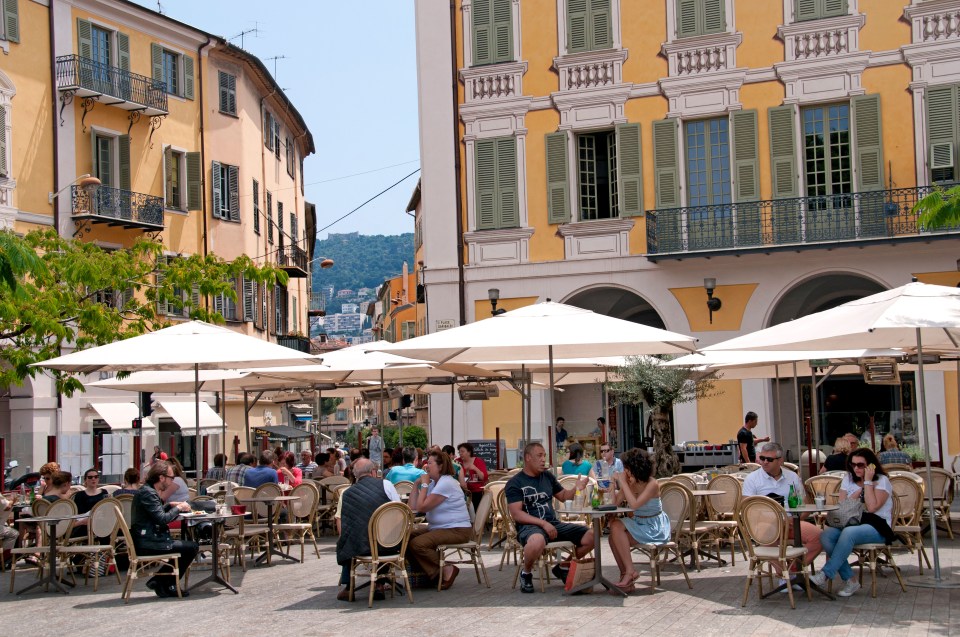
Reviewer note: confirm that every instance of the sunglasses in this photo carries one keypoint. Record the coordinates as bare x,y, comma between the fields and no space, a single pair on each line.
605,450
859,465
91,477
767,458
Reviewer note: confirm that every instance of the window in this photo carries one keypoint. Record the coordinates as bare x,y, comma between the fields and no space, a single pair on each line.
408,329
10,25
111,160
280,235
290,158
280,309
826,150
4,162
589,25
700,17
249,300
226,196
597,168
276,138
294,229
175,191
226,306
256,206
818,9
269,217
112,298
228,93
492,31
173,300
174,71
943,132
296,315
708,162
496,183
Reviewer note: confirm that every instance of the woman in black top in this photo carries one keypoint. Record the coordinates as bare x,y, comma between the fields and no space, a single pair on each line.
837,461
91,494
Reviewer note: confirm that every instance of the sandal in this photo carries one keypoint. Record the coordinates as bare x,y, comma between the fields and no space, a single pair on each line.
32,560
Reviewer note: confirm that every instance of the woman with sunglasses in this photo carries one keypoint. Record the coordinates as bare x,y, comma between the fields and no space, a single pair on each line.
867,481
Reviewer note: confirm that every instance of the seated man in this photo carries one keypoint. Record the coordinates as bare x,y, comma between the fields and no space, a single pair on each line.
8,535
407,471
255,476
236,472
774,481
530,496
306,465
358,504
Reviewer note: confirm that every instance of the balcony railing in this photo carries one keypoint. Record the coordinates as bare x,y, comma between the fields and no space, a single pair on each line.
294,261
299,343
803,221
133,92
117,207
318,304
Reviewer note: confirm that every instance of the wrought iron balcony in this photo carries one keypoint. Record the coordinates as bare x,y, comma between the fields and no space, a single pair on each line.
318,304
795,223
117,207
111,85
294,261
299,343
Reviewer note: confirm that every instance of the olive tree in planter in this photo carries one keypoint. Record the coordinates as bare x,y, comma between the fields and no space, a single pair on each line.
645,380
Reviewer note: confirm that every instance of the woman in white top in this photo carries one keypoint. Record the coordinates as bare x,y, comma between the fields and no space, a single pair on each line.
438,494
867,481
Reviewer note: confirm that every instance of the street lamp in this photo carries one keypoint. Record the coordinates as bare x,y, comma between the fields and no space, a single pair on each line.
494,295
713,303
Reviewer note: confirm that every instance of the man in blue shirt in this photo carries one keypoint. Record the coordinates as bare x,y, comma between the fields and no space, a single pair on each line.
407,471
255,476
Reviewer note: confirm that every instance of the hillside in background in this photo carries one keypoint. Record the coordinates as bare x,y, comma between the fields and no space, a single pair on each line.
361,261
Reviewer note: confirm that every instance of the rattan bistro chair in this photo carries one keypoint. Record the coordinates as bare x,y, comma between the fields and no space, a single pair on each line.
302,513
906,524
675,501
139,564
104,523
512,546
765,528
471,548
722,511
389,528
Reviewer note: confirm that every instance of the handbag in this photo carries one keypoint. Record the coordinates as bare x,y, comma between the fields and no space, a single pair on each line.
580,571
849,514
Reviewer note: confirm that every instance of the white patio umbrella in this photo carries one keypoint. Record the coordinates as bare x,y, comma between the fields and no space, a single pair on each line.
192,345
544,331
913,317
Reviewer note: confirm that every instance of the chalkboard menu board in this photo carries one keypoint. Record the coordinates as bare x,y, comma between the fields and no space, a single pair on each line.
487,449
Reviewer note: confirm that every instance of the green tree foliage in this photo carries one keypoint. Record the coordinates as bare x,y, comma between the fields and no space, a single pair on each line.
413,436
644,380
939,209
362,261
75,293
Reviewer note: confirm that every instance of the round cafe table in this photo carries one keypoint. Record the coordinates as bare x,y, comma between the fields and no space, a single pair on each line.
217,521
598,577
51,578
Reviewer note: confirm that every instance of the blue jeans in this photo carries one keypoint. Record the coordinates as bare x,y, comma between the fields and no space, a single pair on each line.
839,544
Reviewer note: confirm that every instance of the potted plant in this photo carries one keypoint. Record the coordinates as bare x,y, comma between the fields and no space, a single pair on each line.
918,456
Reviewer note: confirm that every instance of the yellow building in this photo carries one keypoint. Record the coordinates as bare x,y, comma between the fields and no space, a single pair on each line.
193,144
614,155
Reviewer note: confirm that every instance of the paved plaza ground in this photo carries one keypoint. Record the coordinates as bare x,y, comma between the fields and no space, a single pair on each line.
300,599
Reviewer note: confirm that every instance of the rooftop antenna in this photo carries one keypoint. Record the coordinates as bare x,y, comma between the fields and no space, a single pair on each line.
159,8
240,35
275,58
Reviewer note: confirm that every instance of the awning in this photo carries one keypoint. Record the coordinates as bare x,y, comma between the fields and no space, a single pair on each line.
303,417
120,415
280,433
185,415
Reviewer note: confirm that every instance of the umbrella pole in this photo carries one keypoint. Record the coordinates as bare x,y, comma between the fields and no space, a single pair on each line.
523,402
453,387
937,580
776,397
553,403
606,408
380,421
811,466
246,417
196,407
223,409
815,420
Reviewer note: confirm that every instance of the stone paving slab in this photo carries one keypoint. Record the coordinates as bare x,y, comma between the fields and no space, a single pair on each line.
301,597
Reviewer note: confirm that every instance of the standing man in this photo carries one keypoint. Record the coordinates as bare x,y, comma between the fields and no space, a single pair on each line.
561,433
375,447
530,496
746,440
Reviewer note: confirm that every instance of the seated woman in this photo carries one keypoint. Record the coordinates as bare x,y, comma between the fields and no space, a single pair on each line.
131,482
649,524
575,464
288,473
47,471
176,490
91,494
837,461
438,494
867,481
59,486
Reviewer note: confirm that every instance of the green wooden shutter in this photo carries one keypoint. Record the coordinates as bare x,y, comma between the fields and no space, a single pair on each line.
156,60
577,24
168,160
783,155
217,187
11,20
194,179
188,77
218,304
601,29
806,10
233,184
161,303
746,157
508,208
630,163
194,300
84,39
123,156
942,127
123,49
833,8
869,152
558,189
687,18
482,44
269,218
713,19
3,142
256,206
666,163
249,300
502,31
485,152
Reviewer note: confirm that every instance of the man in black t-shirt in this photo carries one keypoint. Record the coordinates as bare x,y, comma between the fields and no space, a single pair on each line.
530,496
746,441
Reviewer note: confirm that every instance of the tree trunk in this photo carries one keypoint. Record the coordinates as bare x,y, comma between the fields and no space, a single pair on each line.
666,462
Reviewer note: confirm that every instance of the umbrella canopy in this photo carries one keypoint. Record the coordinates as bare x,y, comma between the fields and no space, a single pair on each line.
887,319
191,345
745,364
527,333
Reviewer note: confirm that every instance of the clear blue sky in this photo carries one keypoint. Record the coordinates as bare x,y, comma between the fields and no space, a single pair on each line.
350,69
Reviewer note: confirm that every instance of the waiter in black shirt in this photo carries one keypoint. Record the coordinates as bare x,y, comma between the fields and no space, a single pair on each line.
746,441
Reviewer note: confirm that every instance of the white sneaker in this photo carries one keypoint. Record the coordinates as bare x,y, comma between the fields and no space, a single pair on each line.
850,587
782,582
819,579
